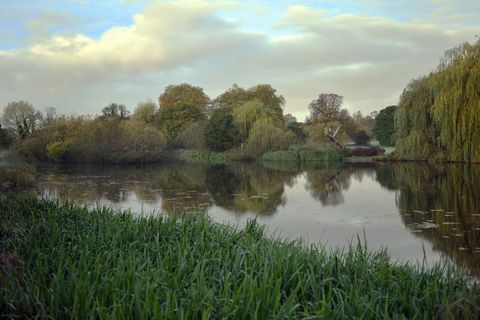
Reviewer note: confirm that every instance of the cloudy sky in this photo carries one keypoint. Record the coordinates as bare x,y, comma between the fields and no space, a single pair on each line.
80,55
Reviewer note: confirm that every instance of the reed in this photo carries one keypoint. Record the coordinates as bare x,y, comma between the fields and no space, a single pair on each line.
66,261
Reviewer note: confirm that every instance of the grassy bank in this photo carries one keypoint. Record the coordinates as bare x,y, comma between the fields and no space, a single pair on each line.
62,261
302,156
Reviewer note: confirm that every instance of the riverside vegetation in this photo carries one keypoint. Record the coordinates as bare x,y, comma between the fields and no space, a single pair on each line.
247,123
65,261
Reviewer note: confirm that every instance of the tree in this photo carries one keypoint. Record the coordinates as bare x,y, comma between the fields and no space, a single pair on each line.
182,95
266,136
246,115
116,111
221,133
232,98
21,117
326,105
181,105
325,110
438,115
384,129
145,112
173,120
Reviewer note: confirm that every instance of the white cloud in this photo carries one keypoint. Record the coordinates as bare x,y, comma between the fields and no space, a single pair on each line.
367,59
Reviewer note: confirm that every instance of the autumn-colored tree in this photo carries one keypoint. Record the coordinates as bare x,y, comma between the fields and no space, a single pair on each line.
181,105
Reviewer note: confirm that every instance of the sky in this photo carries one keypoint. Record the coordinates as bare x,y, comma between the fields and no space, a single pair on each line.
80,55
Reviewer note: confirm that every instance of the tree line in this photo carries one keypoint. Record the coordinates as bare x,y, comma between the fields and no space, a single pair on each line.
245,122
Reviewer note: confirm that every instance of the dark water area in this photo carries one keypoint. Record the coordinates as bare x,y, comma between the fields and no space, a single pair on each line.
416,211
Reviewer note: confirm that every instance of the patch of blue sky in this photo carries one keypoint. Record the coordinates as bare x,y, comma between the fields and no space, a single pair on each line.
88,17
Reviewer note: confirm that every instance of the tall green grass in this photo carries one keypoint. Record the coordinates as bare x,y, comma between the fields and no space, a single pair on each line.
64,261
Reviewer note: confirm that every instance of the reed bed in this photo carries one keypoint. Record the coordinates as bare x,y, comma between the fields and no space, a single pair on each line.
66,261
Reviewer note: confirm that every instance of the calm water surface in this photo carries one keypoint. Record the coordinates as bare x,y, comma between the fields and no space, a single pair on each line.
411,209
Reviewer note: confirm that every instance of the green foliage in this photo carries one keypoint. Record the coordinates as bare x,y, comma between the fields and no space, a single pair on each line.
247,114
200,156
384,129
358,132
266,136
83,263
232,98
173,120
181,95
146,112
192,136
58,150
83,140
221,133
438,115
298,130
302,156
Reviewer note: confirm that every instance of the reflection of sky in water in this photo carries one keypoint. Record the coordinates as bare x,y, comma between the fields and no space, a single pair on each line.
401,208
367,207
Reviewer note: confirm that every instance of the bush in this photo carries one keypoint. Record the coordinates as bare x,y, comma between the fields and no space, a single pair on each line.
58,151
192,136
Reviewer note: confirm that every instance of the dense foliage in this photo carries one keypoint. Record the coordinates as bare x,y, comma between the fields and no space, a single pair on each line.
244,122
221,133
384,129
438,115
107,264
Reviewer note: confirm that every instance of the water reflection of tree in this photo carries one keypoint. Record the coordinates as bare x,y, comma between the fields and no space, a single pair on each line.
259,190
327,182
440,204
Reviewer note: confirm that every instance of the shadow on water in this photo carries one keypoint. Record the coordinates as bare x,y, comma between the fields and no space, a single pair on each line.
440,204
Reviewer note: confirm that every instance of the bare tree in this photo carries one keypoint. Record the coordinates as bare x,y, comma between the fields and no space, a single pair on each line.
327,106
21,117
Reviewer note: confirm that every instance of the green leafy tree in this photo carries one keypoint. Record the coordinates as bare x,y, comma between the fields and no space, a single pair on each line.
438,115
246,115
221,133
384,129
266,136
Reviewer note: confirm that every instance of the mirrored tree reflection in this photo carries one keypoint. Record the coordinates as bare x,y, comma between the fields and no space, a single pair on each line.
440,204
327,182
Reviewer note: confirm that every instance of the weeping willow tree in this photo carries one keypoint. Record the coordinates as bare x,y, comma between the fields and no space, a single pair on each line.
438,117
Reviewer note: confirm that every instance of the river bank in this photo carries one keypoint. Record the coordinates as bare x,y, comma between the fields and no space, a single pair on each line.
101,263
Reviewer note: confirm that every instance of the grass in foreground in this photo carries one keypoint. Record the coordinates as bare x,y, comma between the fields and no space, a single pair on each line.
62,261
